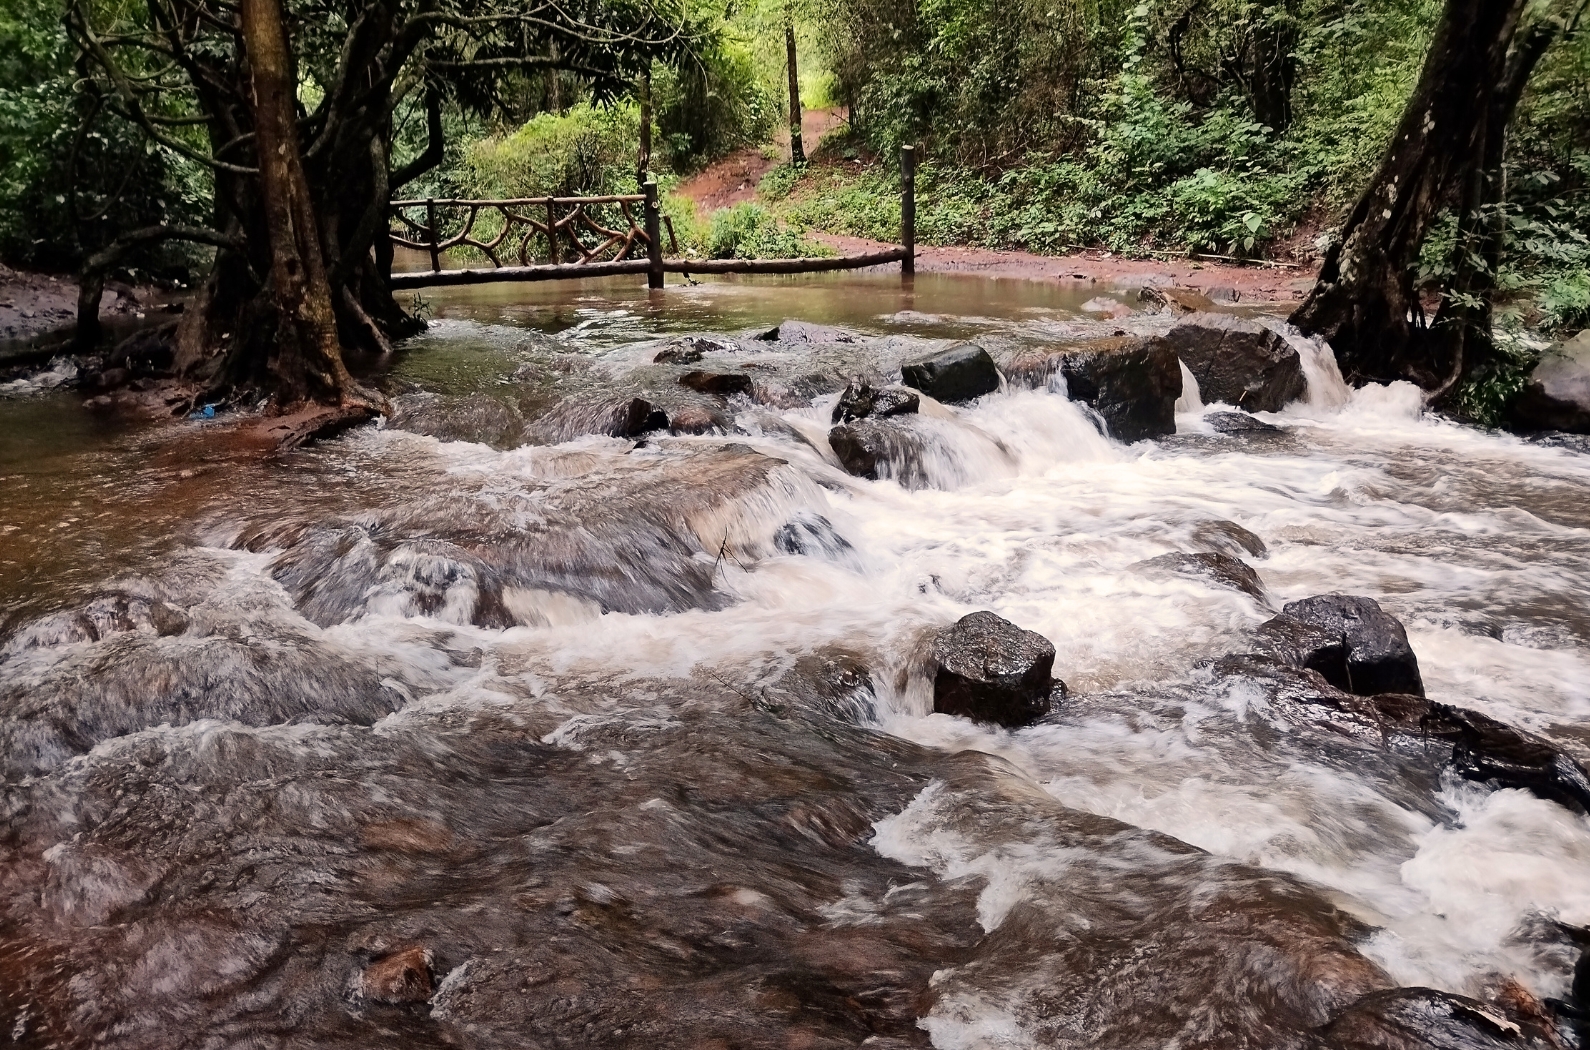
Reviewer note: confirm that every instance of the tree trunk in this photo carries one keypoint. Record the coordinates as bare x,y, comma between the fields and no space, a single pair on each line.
643,162
1364,302
797,153
307,359
1274,71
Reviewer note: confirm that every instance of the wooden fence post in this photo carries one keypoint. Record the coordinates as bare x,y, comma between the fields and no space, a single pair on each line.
552,232
908,209
431,234
654,254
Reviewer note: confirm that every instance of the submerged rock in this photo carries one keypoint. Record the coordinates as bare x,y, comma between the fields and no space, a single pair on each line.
1219,536
961,373
1131,382
861,401
398,977
717,384
1222,569
1424,1019
806,332
1557,395
990,670
476,418
1238,361
1356,645
621,417
1240,423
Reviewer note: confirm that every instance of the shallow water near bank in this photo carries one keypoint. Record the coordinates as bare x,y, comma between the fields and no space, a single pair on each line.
377,633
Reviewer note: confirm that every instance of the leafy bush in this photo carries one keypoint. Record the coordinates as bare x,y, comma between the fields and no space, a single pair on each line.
749,231
587,150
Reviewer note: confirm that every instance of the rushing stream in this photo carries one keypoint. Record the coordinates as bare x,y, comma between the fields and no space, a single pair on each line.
634,739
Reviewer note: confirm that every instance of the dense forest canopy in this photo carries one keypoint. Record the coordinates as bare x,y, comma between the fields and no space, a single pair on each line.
1230,127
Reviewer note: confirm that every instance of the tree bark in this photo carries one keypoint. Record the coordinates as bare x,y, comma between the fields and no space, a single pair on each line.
797,153
307,360
1364,302
643,161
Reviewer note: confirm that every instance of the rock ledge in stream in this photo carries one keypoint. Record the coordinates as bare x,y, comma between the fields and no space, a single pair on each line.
1131,382
1239,362
881,450
961,373
1557,396
1222,569
1358,646
990,670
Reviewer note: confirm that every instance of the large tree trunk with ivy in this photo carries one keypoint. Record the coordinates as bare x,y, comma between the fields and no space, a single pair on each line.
1365,302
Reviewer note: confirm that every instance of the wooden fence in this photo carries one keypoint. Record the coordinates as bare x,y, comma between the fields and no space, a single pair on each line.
561,238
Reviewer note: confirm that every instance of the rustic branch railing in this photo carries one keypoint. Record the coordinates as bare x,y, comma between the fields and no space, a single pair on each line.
556,238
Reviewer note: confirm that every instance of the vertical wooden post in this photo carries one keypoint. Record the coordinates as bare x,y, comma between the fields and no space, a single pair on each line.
552,231
908,209
654,256
430,233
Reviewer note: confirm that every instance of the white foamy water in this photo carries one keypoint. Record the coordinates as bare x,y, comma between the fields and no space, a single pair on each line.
1479,542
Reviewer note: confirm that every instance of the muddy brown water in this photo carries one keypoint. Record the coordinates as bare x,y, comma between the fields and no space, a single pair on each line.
634,740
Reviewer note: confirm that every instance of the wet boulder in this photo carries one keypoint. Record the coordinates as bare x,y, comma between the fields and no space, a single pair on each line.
717,384
1358,646
861,401
881,449
1238,361
961,373
1490,751
1557,395
990,670
1131,382
1218,568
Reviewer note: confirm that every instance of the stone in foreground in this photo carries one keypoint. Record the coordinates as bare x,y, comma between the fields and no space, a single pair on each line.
961,373
1358,646
990,670
1238,361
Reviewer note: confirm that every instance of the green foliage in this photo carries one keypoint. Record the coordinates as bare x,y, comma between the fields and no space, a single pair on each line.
71,175
588,150
749,231
708,108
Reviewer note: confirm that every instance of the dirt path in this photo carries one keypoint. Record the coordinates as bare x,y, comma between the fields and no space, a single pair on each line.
733,179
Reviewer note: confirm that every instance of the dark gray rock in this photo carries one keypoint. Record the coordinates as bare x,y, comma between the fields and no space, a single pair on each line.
1131,382
1405,1018
1557,395
961,373
1222,569
1238,361
990,670
881,449
1240,423
717,384
861,401
1359,647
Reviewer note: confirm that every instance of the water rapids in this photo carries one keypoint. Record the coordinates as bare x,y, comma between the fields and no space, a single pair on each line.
629,743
